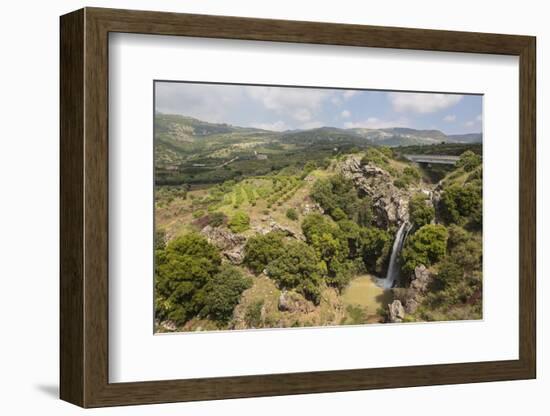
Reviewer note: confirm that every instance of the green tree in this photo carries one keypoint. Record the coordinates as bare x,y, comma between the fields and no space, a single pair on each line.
298,268
421,211
336,195
182,270
239,222
216,219
374,245
462,204
468,161
260,250
292,214
222,293
426,246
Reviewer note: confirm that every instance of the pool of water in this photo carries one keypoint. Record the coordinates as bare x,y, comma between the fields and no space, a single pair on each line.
364,291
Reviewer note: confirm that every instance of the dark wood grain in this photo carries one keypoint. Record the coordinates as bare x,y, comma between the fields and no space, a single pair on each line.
71,100
84,207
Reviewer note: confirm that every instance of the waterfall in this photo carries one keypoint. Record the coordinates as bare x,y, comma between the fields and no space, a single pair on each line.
393,267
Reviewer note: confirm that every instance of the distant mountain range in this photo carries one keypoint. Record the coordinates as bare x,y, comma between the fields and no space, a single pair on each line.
187,129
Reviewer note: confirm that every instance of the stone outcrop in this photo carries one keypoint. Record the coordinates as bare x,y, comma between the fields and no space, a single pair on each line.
273,226
390,204
230,244
396,312
294,302
420,280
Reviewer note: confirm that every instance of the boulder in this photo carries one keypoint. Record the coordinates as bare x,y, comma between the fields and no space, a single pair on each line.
169,325
421,279
230,244
390,204
396,312
411,305
294,302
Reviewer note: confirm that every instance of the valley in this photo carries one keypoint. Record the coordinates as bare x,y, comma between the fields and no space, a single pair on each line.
263,229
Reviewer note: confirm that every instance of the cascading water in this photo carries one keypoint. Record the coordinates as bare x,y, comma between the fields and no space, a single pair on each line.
393,269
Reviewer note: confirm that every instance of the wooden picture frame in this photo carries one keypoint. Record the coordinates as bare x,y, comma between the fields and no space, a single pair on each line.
84,207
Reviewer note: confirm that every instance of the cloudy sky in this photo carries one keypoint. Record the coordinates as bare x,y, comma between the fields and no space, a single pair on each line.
283,108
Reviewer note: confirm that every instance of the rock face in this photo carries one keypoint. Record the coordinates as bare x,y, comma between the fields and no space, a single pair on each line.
396,312
421,279
273,226
390,204
169,325
293,302
230,244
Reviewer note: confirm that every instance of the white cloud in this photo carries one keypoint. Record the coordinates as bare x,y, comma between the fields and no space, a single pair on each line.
376,123
288,100
422,103
302,114
345,114
349,93
276,126
449,118
475,121
206,102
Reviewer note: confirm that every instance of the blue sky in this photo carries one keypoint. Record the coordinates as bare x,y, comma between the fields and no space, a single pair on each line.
284,108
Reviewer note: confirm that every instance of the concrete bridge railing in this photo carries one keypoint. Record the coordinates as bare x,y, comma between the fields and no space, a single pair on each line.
433,159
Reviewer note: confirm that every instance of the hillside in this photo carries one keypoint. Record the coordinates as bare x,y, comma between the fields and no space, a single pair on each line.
312,244
192,151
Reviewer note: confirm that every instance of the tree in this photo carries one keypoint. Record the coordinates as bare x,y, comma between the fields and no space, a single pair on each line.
216,219
298,268
292,214
468,161
239,222
336,195
182,270
375,244
223,292
260,250
462,204
421,212
426,246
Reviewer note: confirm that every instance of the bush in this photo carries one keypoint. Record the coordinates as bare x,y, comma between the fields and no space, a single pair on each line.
199,213
217,219
223,292
292,214
253,314
462,204
239,222
426,246
421,211
468,161
336,195
260,250
182,269
376,157
298,268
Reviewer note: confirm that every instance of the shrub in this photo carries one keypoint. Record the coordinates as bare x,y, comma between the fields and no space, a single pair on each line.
292,214
426,246
421,211
260,250
199,213
253,314
182,270
468,161
462,204
239,222
217,219
298,268
223,292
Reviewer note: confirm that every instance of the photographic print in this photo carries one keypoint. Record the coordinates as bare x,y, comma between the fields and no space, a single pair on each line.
289,206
